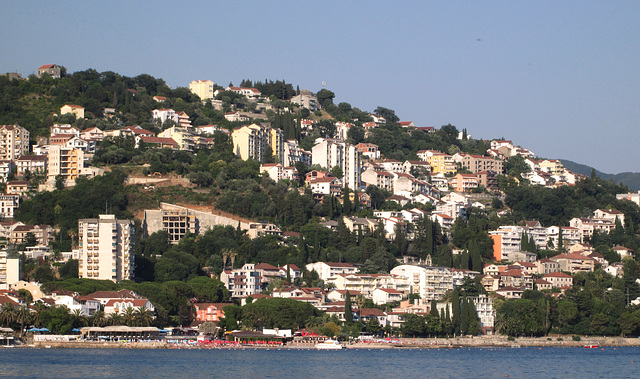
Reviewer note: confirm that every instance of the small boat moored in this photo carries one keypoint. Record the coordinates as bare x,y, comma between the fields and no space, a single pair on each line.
329,345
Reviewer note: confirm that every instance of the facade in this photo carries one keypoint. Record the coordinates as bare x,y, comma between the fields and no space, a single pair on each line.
35,164
440,162
209,312
306,99
250,93
251,142
277,172
53,70
202,88
329,270
9,270
330,153
14,142
8,205
183,137
68,162
464,182
243,282
430,282
476,163
76,110
105,245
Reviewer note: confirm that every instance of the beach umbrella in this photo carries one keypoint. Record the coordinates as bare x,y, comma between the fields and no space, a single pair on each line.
43,330
34,329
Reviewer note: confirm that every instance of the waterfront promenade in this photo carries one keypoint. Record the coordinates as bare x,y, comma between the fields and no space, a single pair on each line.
443,343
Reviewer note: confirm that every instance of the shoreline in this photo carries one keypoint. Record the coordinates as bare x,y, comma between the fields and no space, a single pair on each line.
404,343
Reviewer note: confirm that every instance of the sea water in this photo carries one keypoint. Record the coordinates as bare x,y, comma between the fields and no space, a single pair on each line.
621,362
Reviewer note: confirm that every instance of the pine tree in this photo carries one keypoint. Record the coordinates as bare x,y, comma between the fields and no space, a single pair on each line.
348,315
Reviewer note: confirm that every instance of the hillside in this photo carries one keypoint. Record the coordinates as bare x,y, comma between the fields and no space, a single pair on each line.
629,179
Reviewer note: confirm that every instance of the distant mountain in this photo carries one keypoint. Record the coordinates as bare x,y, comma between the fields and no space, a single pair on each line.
629,179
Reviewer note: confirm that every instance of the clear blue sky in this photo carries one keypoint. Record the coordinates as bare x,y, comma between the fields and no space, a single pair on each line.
561,78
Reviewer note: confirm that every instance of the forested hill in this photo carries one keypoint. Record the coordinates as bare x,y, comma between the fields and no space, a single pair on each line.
629,179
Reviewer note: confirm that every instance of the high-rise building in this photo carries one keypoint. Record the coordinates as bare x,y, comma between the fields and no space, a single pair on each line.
105,245
251,142
14,142
329,153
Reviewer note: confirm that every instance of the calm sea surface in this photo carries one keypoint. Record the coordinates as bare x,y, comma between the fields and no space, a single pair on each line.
623,362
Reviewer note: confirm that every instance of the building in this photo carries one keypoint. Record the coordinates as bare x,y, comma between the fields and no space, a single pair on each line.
329,270
476,163
14,142
330,153
106,245
574,262
464,182
559,279
252,141
8,205
306,99
430,282
202,88
9,270
68,162
277,172
209,312
369,150
250,93
76,110
182,136
243,282
439,162
34,164
53,70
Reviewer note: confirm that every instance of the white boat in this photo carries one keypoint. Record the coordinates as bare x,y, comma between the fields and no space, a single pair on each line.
329,345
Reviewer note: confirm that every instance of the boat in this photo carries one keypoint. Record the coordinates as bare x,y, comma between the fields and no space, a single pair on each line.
329,345
591,346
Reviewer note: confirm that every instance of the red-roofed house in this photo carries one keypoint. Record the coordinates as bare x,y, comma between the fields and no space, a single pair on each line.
386,295
574,262
341,295
157,142
212,312
120,306
53,70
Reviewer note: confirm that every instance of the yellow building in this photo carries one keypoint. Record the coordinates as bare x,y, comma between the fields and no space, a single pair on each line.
202,88
552,166
439,162
250,142
182,136
74,109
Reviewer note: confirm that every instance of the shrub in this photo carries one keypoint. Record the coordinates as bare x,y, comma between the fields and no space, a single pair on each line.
576,338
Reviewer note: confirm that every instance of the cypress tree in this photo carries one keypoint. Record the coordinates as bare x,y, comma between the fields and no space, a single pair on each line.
434,309
348,315
560,242
464,316
455,310
472,318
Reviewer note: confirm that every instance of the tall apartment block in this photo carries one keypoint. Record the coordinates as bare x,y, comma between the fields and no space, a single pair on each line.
14,142
105,245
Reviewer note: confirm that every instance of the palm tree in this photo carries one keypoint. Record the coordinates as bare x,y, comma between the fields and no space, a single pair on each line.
129,316
39,308
78,318
99,319
8,314
114,319
143,316
23,316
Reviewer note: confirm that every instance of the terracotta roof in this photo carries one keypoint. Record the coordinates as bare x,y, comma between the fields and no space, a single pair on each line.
46,66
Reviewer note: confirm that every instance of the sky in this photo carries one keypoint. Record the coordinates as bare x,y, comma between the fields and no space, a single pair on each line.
561,78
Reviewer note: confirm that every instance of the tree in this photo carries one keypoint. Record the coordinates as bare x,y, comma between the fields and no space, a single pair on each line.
456,319
325,97
348,312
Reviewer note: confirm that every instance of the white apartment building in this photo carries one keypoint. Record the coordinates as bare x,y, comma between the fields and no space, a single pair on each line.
8,205
329,270
65,161
14,142
330,153
105,244
243,282
430,282
9,270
